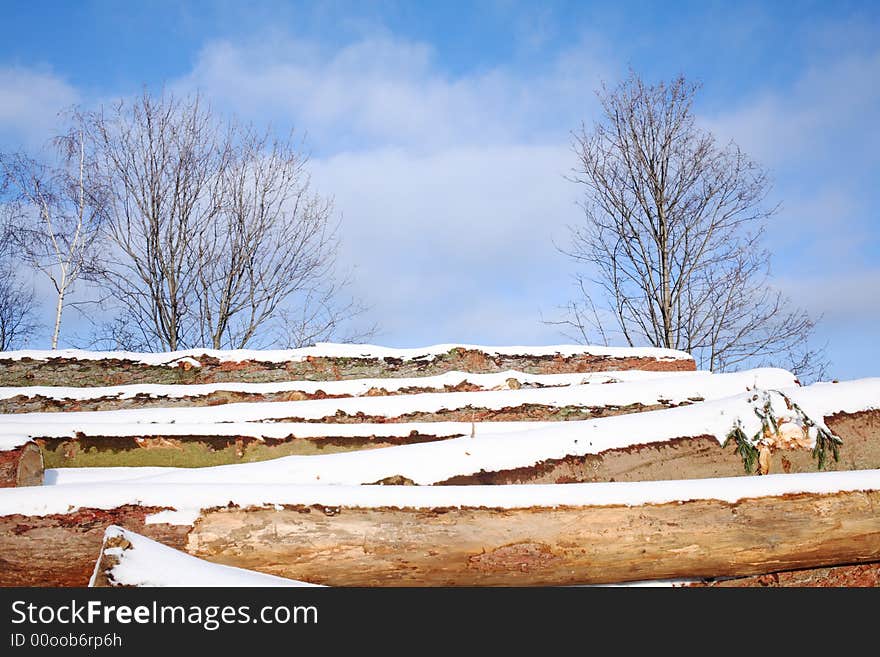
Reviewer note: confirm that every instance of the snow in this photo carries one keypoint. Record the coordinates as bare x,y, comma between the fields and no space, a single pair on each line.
350,387
67,476
64,427
188,500
430,463
149,563
673,390
332,350
11,440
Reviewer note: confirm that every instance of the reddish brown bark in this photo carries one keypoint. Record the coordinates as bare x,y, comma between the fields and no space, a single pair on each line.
61,549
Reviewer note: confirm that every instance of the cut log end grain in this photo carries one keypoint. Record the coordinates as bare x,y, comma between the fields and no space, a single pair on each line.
22,466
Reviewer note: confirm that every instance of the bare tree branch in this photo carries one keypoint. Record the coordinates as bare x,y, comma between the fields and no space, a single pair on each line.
214,233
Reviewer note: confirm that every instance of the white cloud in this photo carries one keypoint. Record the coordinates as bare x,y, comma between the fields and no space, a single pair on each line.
388,92
830,109
844,299
29,104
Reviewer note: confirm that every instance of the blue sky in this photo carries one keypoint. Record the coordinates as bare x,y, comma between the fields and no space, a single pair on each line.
441,129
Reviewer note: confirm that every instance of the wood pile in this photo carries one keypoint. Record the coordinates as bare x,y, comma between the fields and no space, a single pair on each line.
450,465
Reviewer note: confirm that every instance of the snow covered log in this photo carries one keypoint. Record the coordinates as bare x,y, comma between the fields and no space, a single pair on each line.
119,458
464,535
21,464
129,559
684,442
321,362
33,399
202,445
212,436
561,402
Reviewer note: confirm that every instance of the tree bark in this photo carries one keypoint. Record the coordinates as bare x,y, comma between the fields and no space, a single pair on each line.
59,307
695,457
22,466
61,549
543,546
468,546
81,373
858,575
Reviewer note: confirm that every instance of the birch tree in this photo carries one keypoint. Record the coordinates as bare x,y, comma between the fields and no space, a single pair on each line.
672,238
53,216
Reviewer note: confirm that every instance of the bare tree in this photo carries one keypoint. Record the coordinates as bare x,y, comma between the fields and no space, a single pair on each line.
157,160
16,310
672,237
53,216
272,238
213,228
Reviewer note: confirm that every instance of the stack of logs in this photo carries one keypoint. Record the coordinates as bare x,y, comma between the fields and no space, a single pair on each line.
830,539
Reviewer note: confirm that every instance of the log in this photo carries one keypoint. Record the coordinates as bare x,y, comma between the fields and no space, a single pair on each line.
150,563
543,546
679,458
464,536
691,458
552,403
85,369
194,451
21,466
43,399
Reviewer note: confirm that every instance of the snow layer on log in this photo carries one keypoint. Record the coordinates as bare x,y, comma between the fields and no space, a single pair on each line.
65,428
675,390
332,350
431,463
350,387
186,501
140,561
68,476
13,438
